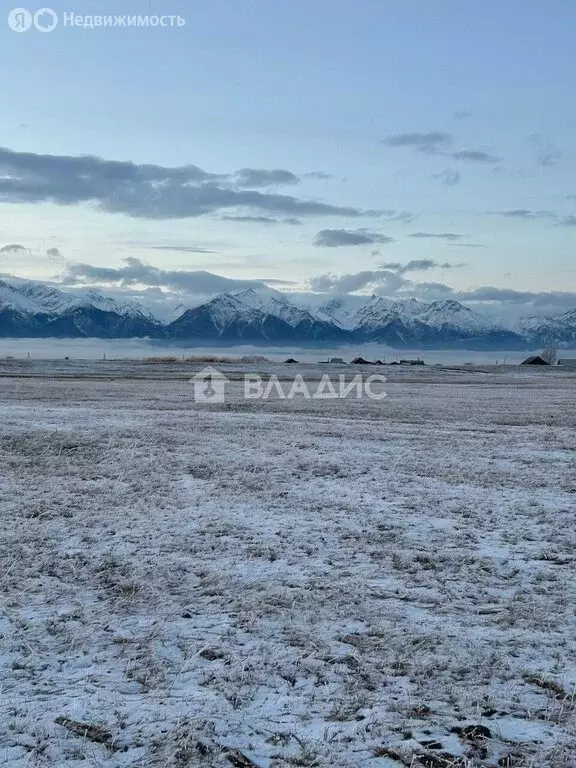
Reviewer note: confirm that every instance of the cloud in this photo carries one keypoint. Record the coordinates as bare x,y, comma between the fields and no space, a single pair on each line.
418,265
436,235
525,213
18,250
476,156
497,302
385,282
404,216
259,177
261,220
320,175
548,156
388,279
431,143
528,215
547,153
14,248
467,245
439,143
449,177
142,190
530,300
330,283
135,272
179,248
56,255
336,238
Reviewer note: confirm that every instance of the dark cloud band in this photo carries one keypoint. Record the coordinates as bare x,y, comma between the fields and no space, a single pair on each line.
337,238
151,191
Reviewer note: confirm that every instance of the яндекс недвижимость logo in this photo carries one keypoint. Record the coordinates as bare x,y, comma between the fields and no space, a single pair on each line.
21,20
46,20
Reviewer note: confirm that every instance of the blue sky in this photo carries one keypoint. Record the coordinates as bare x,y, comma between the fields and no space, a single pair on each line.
461,115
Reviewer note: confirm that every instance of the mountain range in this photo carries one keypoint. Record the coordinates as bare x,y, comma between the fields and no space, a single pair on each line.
264,316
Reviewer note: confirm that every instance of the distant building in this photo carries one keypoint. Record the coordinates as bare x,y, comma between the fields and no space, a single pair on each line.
361,361
567,362
336,360
534,360
412,362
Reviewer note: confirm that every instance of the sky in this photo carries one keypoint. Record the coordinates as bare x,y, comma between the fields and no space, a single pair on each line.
401,147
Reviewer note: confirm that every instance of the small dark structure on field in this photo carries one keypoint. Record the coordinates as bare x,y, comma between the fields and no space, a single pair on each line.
534,360
361,361
567,362
412,362
290,360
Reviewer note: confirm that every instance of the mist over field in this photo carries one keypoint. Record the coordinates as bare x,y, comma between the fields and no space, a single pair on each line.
95,349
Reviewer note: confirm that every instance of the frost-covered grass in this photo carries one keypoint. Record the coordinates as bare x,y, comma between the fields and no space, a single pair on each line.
305,583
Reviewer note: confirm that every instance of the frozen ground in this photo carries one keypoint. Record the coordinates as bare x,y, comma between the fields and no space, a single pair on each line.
305,583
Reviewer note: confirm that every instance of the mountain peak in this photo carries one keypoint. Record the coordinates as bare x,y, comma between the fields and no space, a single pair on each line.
450,313
94,298
260,296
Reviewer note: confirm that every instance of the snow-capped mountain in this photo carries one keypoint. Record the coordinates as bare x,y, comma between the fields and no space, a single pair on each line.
263,315
374,313
19,315
387,322
97,300
34,296
44,297
223,311
261,298
254,317
414,323
452,324
451,315
228,319
13,299
270,317
307,324
271,302
553,329
340,310
31,308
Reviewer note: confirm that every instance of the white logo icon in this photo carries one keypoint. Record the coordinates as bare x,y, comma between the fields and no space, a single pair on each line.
21,20
209,385
45,20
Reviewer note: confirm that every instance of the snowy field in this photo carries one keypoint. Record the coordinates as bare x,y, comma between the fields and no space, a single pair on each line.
287,583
